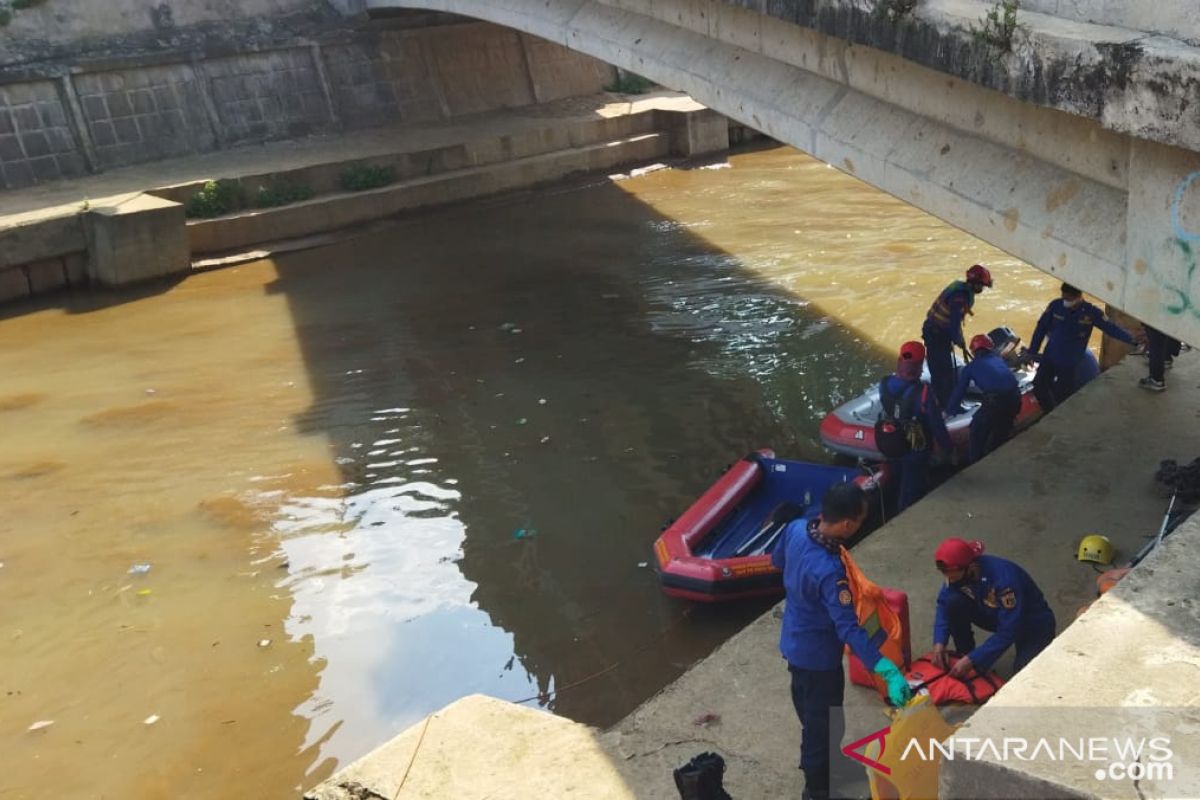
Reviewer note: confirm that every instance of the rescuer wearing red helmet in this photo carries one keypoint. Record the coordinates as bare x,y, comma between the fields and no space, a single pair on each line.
994,594
1000,402
913,418
944,328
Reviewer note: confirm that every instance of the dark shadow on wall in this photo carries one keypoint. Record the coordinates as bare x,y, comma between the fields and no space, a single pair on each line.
579,368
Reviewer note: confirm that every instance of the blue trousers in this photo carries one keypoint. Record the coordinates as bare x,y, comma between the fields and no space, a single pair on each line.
912,476
939,355
817,696
1053,384
993,423
963,614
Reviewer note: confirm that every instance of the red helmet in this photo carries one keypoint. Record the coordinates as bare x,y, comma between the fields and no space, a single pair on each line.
912,351
981,341
955,553
979,274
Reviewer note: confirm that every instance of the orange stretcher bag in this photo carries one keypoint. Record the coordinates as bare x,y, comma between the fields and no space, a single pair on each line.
944,689
883,614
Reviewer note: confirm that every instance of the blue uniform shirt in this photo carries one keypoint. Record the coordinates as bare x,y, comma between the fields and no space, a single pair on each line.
925,409
989,373
1006,598
1069,330
818,617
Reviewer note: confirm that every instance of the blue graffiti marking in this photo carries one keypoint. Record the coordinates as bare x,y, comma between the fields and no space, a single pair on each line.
1180,231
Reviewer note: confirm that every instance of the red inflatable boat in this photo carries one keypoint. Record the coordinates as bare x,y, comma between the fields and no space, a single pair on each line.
850,428
720,549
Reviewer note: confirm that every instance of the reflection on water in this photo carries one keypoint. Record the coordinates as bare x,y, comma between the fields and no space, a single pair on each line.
422,464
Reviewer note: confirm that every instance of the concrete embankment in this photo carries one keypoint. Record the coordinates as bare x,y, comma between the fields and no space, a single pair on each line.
46,243
1087,468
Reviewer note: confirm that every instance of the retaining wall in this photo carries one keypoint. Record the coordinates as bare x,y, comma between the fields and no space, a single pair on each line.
61,120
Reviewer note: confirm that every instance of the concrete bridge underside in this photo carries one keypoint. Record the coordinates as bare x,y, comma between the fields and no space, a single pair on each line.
1076,152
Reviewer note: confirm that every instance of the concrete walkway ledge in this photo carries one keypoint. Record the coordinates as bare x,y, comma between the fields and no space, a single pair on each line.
481,747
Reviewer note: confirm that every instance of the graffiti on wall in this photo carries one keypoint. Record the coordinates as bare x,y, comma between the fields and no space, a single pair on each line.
1179,298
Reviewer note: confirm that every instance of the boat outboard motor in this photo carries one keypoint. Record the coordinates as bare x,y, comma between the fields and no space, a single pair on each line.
1004,343
700,778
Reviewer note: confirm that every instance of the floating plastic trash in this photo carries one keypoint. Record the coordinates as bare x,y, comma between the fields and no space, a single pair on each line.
41,723
264,642
139,569
150,720
144,592
524,533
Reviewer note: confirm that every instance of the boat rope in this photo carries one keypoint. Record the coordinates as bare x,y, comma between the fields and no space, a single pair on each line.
413,758
545,697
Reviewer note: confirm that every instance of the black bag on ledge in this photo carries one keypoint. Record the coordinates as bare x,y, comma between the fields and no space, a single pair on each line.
700,778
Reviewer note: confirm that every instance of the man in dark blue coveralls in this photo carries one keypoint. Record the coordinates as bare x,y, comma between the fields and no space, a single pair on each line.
1068,323
818,620
994,594
993,420
907,400
943,328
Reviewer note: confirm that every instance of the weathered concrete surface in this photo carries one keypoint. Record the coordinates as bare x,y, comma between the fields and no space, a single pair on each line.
521,147
344,209
75,114
1071,193
135,239
468,750
1086,468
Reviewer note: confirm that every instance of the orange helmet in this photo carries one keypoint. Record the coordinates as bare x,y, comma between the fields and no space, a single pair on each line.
979,274
981,341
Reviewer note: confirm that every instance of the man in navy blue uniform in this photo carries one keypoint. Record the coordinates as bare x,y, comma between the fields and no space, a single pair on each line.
818,621
1068,323
943,328
907,400
993,420
994,594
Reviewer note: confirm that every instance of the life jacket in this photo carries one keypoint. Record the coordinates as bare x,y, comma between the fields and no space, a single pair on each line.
897,431
881,622
943,688
939,313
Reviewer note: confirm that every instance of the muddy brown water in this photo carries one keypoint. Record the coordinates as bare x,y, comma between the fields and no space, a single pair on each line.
373,478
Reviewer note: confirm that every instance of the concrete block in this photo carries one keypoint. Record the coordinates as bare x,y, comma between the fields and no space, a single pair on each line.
694,133
136,239
46,276
14,285
75,269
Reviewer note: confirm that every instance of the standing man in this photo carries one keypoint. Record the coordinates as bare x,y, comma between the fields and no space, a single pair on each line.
818,621
911,404
1068,322
994,594
1161,350
944,328
993,420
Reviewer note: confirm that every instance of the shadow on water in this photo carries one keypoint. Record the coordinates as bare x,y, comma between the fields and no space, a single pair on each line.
545,379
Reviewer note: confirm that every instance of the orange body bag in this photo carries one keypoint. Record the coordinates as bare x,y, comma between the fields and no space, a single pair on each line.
883,614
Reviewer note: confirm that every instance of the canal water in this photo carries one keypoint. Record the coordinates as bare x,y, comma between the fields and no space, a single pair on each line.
259,521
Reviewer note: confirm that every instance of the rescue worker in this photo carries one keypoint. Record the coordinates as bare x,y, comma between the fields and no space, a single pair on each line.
819,620
994,594
993,420
1066,325
943,328
912,404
